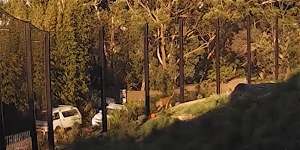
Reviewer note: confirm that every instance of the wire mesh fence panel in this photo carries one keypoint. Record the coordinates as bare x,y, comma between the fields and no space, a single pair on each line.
14,75
39,72
13,61
39,84
22,76
263,46
289,44
275,45
234,54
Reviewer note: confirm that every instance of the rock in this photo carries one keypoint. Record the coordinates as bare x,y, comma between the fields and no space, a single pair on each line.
142,119
177,103
255,91
200,96
184,117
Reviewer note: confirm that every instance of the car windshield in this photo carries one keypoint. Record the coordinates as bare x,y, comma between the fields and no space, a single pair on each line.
70,113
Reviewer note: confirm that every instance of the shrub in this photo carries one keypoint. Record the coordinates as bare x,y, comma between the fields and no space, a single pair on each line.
68,136
121,125
135,109
163,121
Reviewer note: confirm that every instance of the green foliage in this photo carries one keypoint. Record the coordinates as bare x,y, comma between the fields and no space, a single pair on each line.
194,108
63,136
18,9
122,122
74,40
73,27
163,121
135,109
12,64
267,124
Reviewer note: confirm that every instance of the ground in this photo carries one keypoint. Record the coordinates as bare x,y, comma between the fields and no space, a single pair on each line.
216,123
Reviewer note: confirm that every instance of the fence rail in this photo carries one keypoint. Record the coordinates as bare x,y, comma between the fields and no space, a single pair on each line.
20,141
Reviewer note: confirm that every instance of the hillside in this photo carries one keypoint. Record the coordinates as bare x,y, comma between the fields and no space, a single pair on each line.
269,123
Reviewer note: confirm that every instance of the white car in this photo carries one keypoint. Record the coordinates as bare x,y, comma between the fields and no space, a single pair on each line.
64,116
97,119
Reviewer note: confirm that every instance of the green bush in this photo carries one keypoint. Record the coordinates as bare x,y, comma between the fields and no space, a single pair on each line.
135,109
121,125
163,121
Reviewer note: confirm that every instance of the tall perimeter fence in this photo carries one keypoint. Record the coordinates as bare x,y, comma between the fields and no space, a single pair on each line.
274,53
25,81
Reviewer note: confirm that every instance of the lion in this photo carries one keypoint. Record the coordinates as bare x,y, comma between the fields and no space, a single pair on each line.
164,103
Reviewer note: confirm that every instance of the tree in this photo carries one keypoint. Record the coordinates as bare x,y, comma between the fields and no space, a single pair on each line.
72,25
73,41
12,64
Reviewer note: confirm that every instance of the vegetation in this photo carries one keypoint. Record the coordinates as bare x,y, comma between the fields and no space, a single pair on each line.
245,123
75,67
74,30
199,107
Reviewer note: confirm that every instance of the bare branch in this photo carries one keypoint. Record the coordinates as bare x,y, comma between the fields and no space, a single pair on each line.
159,57
202,47
129,5
153,17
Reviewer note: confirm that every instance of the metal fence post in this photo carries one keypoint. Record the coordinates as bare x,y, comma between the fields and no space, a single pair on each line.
146,70
103,69
48,90
181,60
29,86
2,127
276,48
217,52
249,61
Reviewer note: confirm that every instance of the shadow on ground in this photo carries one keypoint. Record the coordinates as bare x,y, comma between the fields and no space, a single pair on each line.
266,120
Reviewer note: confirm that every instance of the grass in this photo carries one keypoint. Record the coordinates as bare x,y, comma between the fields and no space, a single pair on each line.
248,123
125,131
194,108
199,107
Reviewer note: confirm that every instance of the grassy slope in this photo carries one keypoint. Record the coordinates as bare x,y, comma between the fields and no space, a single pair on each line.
269,123
199,107
193,108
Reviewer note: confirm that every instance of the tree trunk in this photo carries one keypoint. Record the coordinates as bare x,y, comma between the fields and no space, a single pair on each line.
162,47
143,85
112,37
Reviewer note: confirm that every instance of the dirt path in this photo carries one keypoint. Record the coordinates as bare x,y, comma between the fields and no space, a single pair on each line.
225,88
